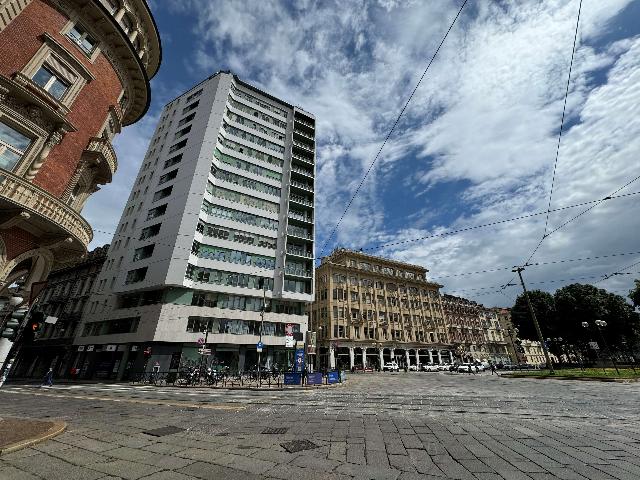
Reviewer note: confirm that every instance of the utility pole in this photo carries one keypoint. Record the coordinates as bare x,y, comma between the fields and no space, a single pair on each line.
264,306
535,320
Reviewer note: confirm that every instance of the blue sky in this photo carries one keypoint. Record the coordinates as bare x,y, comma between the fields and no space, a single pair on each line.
476,145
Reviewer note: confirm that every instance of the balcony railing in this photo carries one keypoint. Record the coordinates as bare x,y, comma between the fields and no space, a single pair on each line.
24,194
301,200
298,272
297,233
304,186
104,152
303,159
310,125
302,171
302,218
299,253
303,145
306,135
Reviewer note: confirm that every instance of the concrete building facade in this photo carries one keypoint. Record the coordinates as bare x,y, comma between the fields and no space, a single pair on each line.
220,215
73,73
62,302
369,311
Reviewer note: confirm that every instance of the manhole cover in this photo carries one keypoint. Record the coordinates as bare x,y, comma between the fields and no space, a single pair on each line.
161,432
298,446
278,431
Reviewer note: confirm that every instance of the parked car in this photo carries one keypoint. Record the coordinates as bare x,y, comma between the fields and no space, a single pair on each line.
429,367
467,367
414,367
391,367
443,367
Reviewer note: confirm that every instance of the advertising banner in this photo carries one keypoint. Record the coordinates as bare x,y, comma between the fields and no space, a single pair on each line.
300,360
333,377
292,378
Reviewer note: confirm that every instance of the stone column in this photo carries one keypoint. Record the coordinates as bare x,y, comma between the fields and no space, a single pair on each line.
364,356
352,360
439,358
332,358
430,356
119,14
54,139
392,354
241,357
450,356
417,356
381,354
406,354
269,362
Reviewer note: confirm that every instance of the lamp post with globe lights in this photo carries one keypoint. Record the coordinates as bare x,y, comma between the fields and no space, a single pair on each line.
600,324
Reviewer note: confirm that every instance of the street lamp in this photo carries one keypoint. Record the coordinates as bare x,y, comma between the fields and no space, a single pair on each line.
600,324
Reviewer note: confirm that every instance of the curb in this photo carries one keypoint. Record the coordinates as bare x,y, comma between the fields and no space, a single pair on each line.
580,379
56,429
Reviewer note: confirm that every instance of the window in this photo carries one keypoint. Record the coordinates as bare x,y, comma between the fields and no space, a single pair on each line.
51,82
157,211
135,276
79,35
160,194
126,24
186,119
178,146
188,108
173,161
168,176
194,95
12,146
183,132
143,252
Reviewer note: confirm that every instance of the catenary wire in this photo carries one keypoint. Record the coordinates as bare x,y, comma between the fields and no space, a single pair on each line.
375,159
564,109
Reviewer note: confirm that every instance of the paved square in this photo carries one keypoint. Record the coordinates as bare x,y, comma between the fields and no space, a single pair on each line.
377,426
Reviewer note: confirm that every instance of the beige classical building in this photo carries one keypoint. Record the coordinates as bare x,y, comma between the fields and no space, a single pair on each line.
495,344
464,327
369,311
533,353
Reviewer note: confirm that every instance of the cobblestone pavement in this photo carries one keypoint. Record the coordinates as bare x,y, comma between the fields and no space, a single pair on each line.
377,426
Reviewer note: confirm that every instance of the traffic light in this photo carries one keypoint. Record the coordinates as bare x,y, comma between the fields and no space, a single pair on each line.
147,352
12,327
35,325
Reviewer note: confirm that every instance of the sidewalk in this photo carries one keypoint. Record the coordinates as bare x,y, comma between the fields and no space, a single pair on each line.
18,433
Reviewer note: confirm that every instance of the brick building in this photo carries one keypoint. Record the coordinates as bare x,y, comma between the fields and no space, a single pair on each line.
73,73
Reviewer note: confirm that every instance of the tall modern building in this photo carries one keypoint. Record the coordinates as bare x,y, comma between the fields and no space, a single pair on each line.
220,214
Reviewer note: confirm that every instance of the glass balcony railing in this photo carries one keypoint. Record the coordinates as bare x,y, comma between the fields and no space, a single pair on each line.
297,271
301,200
305,186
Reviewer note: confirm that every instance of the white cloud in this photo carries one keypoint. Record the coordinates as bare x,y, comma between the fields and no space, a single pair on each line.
487,113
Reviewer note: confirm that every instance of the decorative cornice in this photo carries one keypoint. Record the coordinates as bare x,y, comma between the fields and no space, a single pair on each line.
36,201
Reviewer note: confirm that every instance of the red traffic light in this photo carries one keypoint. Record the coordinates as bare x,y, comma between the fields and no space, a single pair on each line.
147,352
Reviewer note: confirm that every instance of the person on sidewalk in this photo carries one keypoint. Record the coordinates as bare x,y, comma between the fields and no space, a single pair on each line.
48,378
493,369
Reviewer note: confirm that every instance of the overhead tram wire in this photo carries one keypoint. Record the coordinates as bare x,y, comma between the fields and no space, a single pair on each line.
411,240
564,109
375,159
575,217
551,262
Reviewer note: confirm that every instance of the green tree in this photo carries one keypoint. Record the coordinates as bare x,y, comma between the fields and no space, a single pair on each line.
634,294
577,303
544,307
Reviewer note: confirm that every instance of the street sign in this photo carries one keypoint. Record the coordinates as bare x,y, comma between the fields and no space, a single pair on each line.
259,347
204,351
289,342
300,360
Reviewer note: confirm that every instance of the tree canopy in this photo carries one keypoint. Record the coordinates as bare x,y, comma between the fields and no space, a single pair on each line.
634,294
562,314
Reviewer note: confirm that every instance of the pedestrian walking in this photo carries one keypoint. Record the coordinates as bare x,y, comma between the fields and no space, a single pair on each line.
48,378
493,369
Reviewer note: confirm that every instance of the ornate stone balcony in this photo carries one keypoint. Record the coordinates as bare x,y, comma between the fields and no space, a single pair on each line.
49,214
101,151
